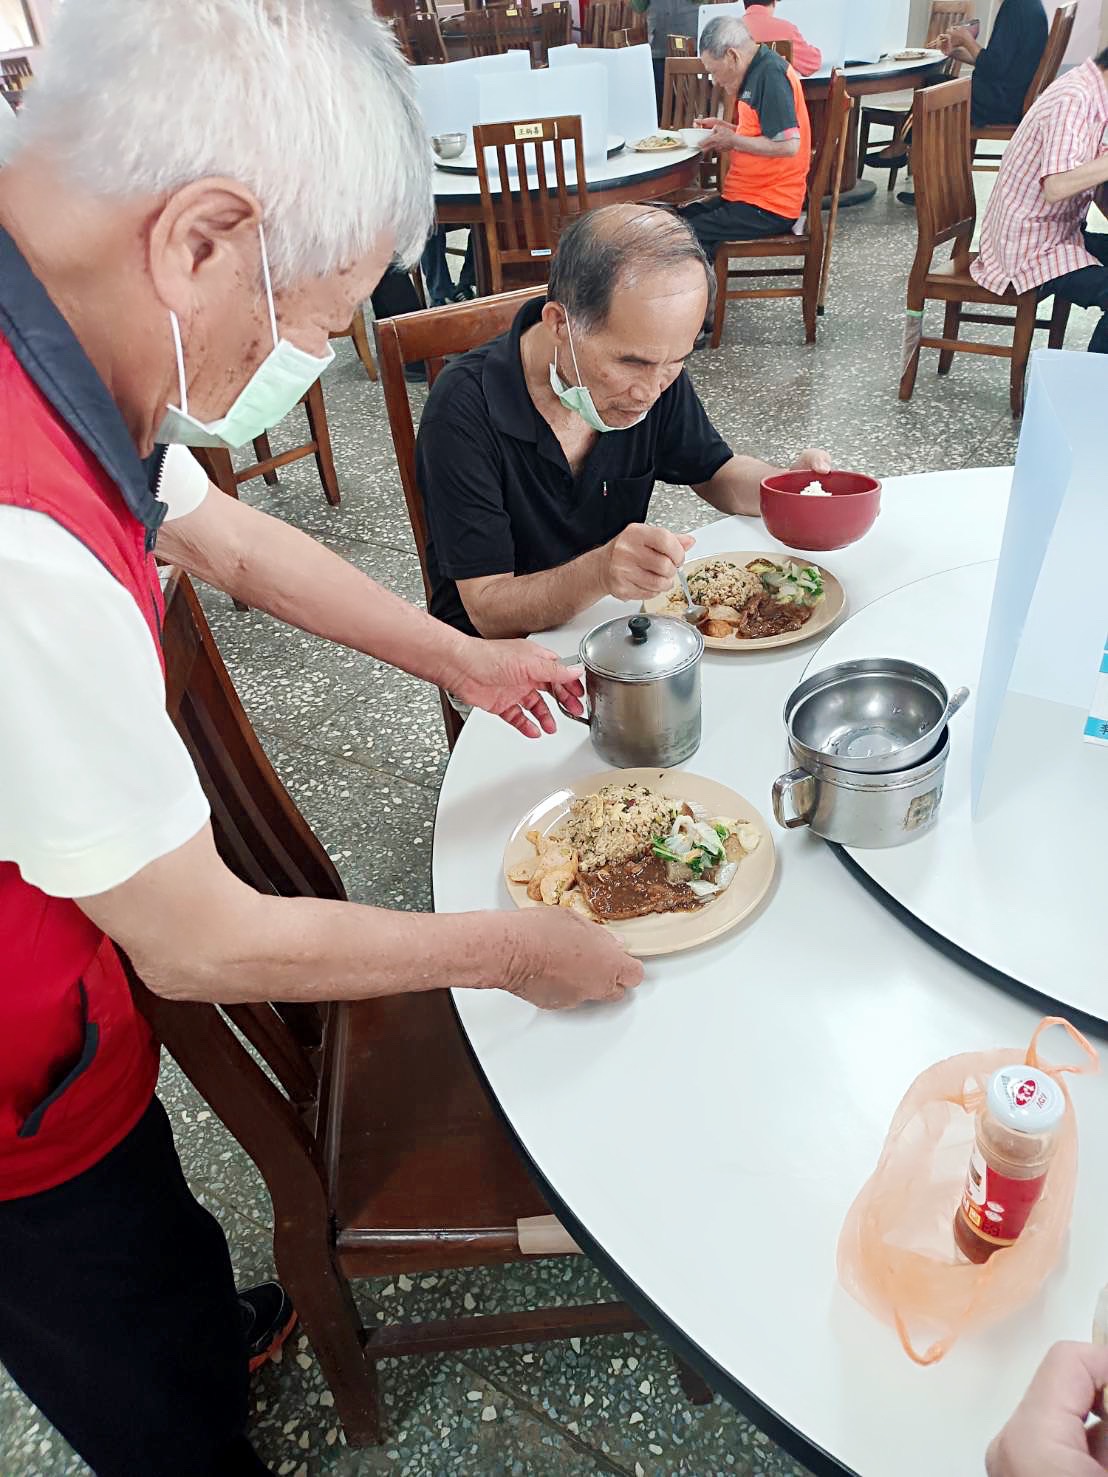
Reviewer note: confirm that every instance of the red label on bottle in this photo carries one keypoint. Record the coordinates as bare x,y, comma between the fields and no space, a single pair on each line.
996,1206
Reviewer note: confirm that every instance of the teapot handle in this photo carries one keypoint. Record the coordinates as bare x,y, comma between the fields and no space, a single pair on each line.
577,717
786,788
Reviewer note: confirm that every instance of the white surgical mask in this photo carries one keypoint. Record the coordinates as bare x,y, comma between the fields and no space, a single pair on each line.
279,381
579,398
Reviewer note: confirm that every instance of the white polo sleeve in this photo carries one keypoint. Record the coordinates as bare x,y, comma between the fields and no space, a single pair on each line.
95,782
183,485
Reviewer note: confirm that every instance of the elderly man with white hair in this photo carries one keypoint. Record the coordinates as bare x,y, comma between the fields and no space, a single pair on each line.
765,143
201,192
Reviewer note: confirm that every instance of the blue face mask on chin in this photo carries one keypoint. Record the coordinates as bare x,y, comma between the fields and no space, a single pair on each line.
283,376
578,397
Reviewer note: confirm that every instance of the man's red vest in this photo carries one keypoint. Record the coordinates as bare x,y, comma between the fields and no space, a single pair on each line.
78,1064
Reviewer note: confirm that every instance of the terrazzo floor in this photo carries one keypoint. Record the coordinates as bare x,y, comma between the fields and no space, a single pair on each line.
356,742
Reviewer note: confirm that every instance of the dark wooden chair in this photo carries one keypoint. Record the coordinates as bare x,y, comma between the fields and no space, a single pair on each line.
516,27
619,39
556,23
813,245
688,94
946,211
222,472
522,222
357,331
422,38
783,47
375,1138
478,31
429,336
602,19
682,46
895,109
1061,29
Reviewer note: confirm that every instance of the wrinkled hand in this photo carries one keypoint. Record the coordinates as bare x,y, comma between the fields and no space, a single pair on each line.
812,460
717,134
643,561
944,43
1047,1436
562,960
959,36
508,678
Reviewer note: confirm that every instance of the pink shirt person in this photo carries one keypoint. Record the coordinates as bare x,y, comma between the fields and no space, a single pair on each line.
765,25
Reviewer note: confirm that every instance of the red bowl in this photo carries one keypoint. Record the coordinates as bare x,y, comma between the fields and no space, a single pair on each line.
819,523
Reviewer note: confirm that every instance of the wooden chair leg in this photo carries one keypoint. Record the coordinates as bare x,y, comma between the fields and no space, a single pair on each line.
1059,322
417,282
217,463
1021,350
263,451
322,1298
813,268
913,332
893,173
695,1390
951,324
452,720
722,261
321,435
361,343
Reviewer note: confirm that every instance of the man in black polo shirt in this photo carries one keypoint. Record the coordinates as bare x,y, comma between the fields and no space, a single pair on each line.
538,453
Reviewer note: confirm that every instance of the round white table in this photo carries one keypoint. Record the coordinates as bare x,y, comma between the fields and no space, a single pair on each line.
704,1140
624,175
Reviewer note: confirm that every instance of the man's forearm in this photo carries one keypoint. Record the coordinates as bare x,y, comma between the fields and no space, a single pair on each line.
274,567
736,487
1076,181
768,148
520,604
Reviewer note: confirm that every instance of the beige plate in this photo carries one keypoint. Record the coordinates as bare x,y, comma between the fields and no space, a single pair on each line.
912,55
825,614
660,933
642,147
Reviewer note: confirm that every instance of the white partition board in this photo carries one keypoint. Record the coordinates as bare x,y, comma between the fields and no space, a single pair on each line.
580,90
447,94
632,105
824,23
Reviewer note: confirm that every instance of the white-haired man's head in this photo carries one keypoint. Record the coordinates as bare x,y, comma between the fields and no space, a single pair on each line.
162,133
727,49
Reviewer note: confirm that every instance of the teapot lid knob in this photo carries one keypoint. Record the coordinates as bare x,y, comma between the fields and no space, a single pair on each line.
638,625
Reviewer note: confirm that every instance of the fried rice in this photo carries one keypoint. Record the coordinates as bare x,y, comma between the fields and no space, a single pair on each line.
718,582
616,824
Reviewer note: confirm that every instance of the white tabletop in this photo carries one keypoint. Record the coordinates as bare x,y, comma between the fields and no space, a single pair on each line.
622,168
879,70
708,1136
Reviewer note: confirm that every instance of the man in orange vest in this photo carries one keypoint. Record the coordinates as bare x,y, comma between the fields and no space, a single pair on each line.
766,145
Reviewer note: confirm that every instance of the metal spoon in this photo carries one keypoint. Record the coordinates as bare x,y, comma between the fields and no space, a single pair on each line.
954,702
693,613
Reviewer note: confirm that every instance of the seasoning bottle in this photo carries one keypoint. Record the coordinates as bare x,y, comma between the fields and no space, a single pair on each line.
1015,1139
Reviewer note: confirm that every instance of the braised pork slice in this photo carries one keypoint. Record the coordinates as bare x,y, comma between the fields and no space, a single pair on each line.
632,889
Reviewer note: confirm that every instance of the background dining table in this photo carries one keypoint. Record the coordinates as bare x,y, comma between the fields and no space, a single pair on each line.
704,1139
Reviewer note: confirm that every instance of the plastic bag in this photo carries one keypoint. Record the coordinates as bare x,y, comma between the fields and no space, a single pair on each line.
896,1251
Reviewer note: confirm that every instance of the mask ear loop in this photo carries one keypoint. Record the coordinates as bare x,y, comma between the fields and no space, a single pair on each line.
268,285
182,393
573,353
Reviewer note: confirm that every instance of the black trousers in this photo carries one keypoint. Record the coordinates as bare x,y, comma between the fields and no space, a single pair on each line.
118,1316
718,220
1088,288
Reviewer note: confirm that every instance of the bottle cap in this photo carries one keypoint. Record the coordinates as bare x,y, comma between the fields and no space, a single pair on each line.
1025,1099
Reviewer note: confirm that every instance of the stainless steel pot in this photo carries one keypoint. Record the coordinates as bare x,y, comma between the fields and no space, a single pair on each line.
642,687
878,715
866,810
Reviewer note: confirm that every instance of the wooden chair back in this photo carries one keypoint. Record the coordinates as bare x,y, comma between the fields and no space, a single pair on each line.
523,221
556,21
514,26
602,19
1057,43
620,38
479,32
688,94
945,15
422,36
683,46
430,336
946,209
825,175
783,47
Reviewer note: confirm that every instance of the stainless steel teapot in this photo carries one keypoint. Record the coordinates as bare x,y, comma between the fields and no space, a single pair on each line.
642,687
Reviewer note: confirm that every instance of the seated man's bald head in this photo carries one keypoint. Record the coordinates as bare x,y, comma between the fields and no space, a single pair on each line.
618,249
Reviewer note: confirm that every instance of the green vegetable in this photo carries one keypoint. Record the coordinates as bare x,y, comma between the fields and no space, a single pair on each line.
722,832
659,848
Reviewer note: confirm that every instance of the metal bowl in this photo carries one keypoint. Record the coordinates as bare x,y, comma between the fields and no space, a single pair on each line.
449,145
870,717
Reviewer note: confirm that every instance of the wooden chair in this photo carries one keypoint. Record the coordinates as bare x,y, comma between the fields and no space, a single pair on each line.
556,25
478,30
813,245
946,211
221,471
620,39
681,46
895,109
522,223
688,94
430,336
602,19
515,27
783,48
375,1138
1057,43
423,38
357,332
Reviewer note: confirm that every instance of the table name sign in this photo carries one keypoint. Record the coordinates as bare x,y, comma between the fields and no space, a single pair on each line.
1045,644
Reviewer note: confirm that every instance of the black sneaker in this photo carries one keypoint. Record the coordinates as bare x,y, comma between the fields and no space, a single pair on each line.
907,197
268,1318
416,374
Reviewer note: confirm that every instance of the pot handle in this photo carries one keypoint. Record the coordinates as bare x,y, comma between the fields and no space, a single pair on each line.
786,789
575,664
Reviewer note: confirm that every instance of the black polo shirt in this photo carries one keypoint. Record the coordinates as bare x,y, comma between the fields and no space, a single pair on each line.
1005,69
498,492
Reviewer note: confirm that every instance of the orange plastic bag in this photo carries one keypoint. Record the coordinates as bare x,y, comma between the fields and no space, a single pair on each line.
896,1250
